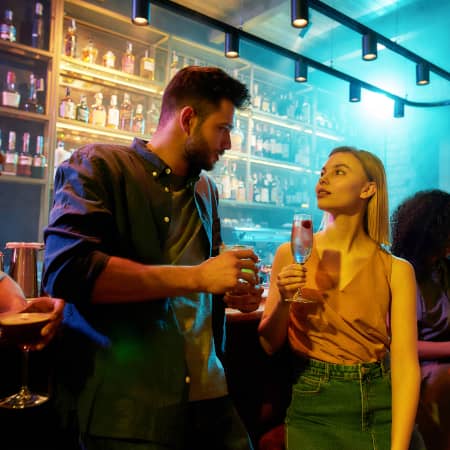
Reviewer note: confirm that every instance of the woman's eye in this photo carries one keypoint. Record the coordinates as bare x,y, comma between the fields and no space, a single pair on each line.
340,172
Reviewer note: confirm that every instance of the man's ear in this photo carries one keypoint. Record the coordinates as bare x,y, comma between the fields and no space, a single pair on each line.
369,190
186,119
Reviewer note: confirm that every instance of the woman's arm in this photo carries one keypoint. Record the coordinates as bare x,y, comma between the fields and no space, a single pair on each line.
285,279
433,350
404,357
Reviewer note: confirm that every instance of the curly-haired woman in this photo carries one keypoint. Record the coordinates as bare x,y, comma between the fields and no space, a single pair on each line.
421,234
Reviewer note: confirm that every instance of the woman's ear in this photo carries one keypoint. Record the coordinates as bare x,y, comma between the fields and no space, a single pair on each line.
186,118
369,190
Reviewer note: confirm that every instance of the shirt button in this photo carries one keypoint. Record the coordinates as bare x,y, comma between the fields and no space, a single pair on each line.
187,379
154,173
168,170
166,189
167,219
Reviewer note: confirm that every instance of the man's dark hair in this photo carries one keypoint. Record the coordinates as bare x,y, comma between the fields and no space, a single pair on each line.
420,229
202,88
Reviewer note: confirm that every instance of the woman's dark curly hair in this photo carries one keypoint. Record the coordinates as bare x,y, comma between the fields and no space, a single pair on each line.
421,229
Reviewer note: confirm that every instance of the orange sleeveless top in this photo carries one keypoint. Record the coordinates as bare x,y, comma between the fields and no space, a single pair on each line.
350,325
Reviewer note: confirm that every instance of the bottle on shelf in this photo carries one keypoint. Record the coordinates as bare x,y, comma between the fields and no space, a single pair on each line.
152,118
10,164
128,59
98,112
109,60
39,163
25,160
147,65
257,100
7,27
138,120
37,26
113,113
82,113
70,40
173,64
125,113
32,104
89,53
67,107
60,155
10,95
237,137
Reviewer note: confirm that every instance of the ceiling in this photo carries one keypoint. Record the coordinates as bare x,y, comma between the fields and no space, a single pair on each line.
421,26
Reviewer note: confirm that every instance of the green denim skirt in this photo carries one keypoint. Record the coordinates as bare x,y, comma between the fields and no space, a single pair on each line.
339,407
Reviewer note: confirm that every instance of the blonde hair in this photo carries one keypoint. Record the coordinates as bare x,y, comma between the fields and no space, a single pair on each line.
376,216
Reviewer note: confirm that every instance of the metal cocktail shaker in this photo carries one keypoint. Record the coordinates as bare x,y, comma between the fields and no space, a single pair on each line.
23,266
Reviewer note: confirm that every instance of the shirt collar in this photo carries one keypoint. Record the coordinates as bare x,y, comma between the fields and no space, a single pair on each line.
160,169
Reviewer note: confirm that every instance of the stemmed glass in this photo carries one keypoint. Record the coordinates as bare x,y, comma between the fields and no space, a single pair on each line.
24,330
301,245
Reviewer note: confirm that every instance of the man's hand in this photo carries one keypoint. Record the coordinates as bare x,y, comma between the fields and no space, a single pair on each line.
46,304
244,298
227,271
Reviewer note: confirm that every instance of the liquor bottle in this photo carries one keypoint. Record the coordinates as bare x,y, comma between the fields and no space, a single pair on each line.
70,40
109,59
40,95
113,113
125,113
236,137
37,27
98,112
152,118
89,53
173,64
39,164
67,108
10,96
138,120
10,164
25,160
82,113
7,27
32,104
147,65
128,59
257,100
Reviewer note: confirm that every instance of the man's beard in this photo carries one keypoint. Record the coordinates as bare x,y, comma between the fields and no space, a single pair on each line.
198,153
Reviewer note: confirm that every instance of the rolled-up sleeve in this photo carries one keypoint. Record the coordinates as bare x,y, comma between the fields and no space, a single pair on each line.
81,227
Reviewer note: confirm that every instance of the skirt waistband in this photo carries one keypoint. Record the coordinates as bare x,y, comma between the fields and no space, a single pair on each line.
344,371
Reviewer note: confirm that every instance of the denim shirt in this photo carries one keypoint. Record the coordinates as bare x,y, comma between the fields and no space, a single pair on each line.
121,365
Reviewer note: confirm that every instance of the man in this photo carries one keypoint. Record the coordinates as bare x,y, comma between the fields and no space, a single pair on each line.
133,242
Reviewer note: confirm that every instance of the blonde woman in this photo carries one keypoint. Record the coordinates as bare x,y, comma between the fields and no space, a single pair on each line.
345,395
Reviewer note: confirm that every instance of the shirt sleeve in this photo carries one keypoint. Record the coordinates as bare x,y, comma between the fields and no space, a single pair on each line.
80,230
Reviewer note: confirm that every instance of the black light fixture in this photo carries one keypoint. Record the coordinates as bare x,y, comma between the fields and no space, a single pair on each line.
301,70
369,47
399,109
299,13
231,44
354,92
422,74
140,12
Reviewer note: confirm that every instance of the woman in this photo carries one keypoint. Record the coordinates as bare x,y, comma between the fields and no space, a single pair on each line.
421,234
363,305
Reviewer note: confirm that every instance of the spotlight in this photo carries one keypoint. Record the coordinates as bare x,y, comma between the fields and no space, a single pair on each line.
299,13
399,109
231,45
369,47
354,93
140,12
301,70
422,74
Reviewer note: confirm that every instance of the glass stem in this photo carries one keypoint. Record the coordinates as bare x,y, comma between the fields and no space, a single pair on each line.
24,388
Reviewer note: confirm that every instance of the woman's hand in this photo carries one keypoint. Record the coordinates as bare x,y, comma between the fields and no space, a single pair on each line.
290,279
